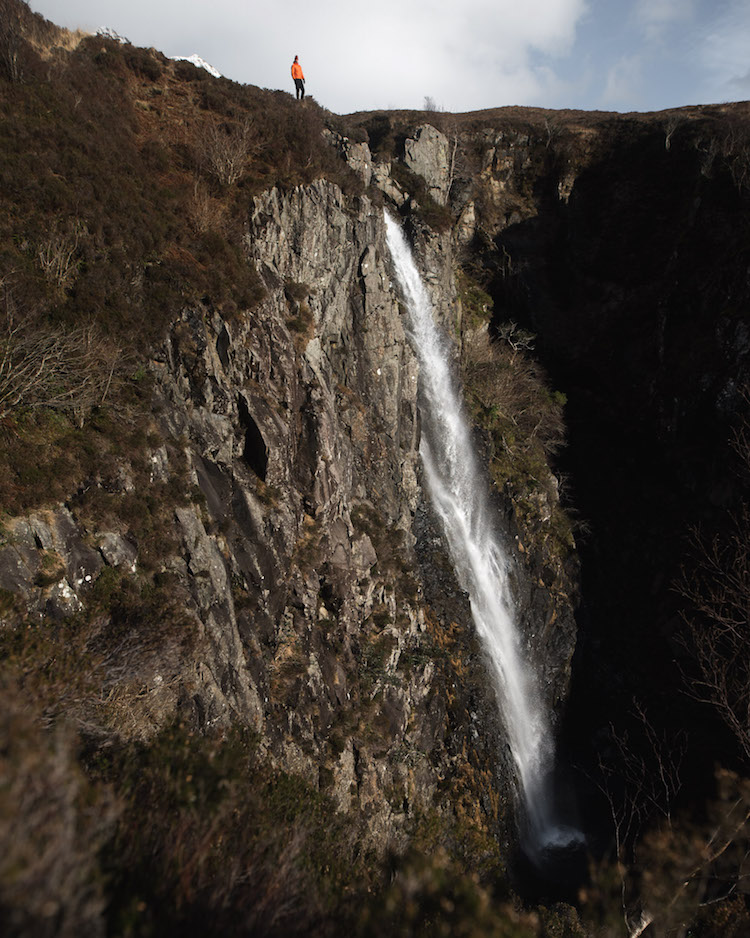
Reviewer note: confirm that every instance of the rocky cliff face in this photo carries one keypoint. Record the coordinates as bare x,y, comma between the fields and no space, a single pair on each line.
224,596
327,616
336,628
302,426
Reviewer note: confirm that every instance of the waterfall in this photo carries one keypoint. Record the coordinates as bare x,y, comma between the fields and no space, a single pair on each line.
459,494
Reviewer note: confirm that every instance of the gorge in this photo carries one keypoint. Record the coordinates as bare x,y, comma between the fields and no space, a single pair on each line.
244,686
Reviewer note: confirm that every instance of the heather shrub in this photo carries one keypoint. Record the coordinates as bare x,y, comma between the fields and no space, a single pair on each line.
435,216
430,896
52,825
210,840
144,62
187,71
123,258
476,303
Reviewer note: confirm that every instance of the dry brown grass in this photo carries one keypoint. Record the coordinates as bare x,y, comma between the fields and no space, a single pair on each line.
67,40
206,213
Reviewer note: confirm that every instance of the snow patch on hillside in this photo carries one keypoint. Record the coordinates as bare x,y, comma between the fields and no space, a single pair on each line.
198,62
106,32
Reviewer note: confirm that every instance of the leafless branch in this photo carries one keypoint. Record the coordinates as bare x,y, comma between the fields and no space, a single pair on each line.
57,254
225,149
51,367
11,39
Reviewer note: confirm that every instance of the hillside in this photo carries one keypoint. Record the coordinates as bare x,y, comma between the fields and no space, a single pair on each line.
241,687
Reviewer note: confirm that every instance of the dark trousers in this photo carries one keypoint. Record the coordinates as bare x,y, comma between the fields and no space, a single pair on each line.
299,84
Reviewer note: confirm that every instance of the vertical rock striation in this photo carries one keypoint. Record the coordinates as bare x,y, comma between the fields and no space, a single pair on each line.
301,425
328,618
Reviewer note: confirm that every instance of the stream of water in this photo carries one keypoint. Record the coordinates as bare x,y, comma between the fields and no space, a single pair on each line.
458,491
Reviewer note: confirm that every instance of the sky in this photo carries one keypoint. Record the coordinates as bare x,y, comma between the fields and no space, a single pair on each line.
463,55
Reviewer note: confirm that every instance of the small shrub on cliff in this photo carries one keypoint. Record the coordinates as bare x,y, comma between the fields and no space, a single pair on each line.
476,303
373,660
522,420
437,217
300,320
510,398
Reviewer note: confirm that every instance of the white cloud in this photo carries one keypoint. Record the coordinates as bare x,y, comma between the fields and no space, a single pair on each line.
725,51
623,83
481,53
656,16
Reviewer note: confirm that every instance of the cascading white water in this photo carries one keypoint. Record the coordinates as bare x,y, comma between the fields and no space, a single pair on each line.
459,495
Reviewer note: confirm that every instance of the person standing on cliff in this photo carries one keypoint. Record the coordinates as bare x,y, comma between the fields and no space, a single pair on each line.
299,78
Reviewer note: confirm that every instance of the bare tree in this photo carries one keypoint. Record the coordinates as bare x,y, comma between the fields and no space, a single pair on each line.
639,783
57,254
672,123
51,367
718,623
736,153
709,151
553,129
717,589
11,38
225,149
517,338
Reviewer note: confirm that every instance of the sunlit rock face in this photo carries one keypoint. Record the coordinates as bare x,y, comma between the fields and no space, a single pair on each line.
427,154
329,618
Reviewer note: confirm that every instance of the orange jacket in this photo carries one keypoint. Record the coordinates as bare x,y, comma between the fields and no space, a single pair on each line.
297,71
